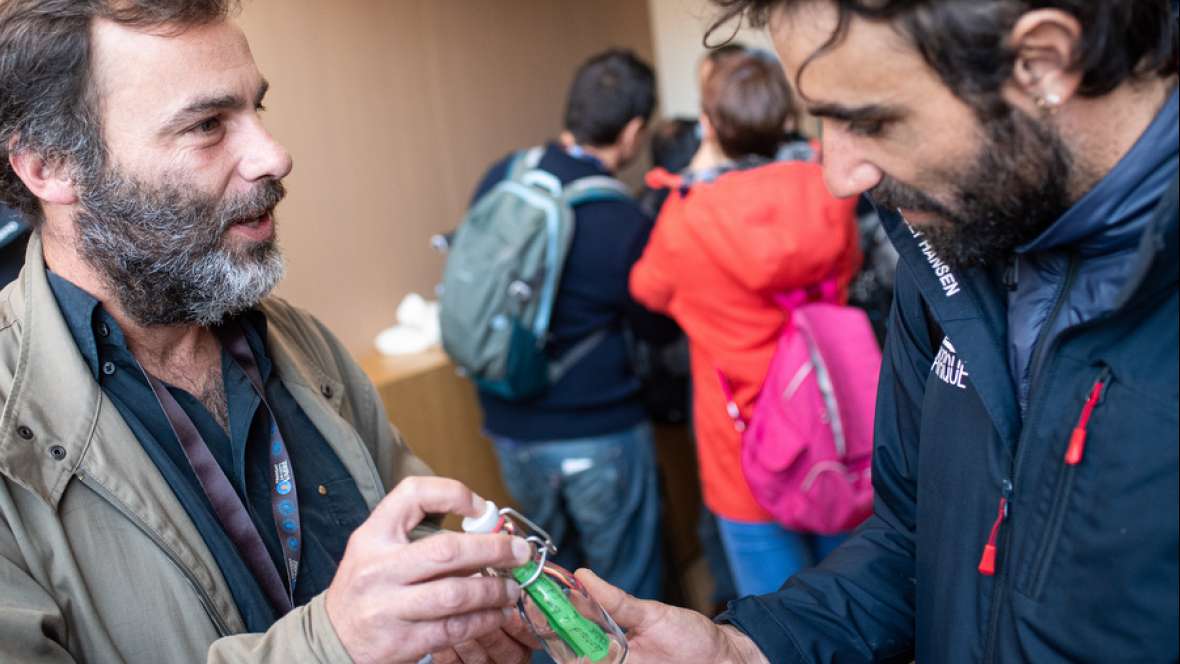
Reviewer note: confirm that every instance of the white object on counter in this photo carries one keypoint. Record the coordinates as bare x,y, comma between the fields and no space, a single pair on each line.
416,329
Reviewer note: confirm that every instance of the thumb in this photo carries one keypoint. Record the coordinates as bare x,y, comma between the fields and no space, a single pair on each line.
627,611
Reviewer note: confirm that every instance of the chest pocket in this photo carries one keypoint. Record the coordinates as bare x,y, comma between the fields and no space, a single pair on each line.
1099,534
341,502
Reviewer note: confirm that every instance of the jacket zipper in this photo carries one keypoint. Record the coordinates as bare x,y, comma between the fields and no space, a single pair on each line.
1004,534
1074,453
206,601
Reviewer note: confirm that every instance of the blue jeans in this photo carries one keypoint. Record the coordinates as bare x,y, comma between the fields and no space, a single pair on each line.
762,556
598,498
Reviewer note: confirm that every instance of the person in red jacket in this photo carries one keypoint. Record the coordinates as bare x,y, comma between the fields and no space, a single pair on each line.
727,240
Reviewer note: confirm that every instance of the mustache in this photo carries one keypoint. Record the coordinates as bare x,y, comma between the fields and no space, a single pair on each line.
259,201
891,195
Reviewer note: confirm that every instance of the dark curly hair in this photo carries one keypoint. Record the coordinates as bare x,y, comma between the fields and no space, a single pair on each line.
48,104
964,40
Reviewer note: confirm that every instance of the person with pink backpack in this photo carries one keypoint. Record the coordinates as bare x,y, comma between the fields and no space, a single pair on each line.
748,257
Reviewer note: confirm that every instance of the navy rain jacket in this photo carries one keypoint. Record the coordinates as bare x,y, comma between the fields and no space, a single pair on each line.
1085,550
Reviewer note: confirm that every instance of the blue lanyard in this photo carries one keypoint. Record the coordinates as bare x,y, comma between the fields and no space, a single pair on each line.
233,515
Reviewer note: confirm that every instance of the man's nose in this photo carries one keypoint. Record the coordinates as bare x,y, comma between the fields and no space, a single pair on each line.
846,170
263,156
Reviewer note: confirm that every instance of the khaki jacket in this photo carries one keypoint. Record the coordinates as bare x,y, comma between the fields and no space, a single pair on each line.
99,561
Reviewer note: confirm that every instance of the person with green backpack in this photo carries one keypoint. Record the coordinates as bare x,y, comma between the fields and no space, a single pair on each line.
534,309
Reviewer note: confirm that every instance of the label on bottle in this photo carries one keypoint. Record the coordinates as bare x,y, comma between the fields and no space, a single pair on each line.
582,635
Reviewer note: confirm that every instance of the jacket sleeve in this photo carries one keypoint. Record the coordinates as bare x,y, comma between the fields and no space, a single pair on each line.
32,628
648,325
652,277
858,604
303,635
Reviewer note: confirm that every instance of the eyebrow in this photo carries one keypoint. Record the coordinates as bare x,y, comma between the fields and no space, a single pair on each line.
876,112
204,105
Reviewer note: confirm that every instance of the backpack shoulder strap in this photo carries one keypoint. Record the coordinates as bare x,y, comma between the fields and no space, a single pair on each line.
525,161
594,188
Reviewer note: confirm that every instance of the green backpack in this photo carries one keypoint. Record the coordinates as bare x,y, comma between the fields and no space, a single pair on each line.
502,274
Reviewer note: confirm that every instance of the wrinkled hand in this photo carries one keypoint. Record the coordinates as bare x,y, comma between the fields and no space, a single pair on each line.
658,633
513,643
394,600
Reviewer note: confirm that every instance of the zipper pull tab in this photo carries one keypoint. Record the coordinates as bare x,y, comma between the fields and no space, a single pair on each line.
1077,440
987,562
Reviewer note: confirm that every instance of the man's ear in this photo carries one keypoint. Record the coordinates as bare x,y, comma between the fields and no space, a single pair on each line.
1045,75
707,132
629,138
50,181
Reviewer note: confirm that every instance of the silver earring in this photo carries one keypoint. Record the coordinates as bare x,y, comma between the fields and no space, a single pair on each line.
1049,102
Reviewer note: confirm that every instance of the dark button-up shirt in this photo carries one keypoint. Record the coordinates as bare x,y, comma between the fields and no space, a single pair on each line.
330,505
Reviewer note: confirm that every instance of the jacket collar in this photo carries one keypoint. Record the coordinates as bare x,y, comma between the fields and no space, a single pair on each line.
1112,216
971,312
50,416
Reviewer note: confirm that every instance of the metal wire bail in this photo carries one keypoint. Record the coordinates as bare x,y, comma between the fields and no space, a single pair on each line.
542,543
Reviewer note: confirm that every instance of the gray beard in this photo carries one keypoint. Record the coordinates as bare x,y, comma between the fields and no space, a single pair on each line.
159,249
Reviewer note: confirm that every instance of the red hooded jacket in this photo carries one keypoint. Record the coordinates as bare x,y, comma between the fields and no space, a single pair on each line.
719,253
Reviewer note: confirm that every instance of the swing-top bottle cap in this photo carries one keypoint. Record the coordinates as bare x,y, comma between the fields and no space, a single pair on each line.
484,523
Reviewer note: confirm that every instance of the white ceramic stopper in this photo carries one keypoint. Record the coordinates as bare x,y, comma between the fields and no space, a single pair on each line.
484,523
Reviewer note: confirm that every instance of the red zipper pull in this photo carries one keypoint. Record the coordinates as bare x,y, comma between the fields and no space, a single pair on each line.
987,562
1077,440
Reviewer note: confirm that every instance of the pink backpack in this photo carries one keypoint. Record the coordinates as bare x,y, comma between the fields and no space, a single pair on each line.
807,449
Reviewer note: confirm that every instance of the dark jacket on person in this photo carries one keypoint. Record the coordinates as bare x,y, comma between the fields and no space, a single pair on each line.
1076,495
600,394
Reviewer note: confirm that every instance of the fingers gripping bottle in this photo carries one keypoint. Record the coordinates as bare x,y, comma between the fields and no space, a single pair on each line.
556,606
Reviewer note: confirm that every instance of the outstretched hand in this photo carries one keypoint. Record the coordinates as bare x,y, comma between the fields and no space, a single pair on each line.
395,600
658,633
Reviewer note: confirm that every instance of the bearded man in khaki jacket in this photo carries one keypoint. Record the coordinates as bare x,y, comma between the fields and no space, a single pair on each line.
191,470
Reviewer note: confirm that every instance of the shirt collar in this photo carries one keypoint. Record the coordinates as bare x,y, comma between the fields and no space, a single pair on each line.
578,152
80,311
88,322
253,323
1112,215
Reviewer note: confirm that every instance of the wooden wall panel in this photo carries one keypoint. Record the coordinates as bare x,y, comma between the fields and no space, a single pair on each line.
392,109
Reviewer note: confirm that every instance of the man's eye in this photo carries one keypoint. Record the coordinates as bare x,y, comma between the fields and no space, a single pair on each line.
867,128
208,126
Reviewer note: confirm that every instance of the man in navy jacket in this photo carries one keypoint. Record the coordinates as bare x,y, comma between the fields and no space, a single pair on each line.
579,458
1026,468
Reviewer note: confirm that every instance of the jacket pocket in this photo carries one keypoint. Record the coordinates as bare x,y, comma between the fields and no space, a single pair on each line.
1042,560
344,505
